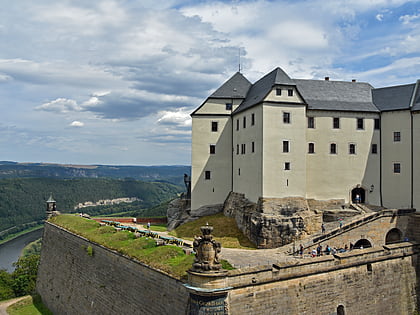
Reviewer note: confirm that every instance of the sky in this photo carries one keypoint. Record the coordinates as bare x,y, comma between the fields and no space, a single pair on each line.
115,81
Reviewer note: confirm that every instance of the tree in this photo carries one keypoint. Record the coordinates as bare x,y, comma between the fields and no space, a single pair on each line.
24,275
6,282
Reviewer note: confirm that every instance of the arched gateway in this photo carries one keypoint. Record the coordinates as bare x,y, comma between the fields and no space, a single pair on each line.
358,195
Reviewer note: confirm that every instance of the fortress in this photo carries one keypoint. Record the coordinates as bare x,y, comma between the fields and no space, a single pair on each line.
382,279
277,155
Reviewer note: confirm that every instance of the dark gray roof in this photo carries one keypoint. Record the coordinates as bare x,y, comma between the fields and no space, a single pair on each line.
236,87
416,102
336,95
263,86
393,97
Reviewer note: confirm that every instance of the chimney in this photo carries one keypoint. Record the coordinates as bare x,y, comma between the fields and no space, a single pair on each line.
353,80
327,78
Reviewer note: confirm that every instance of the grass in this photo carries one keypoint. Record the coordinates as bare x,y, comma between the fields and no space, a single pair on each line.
170,259
225,231
157,227
32,305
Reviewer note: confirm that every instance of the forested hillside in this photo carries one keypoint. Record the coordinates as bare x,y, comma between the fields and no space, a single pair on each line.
22,200
173,174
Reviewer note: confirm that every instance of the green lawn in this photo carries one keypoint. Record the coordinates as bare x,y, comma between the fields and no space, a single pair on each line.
170,259
225,231
31,305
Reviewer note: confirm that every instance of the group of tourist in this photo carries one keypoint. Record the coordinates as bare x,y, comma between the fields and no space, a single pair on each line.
327,250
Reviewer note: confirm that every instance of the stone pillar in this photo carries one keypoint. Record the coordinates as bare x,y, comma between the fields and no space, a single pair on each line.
207,281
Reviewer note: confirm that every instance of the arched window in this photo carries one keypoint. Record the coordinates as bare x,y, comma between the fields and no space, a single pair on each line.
340,310
393,236
362,243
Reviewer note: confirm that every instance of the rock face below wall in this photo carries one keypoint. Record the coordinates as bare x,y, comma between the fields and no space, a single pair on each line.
273,222
179,212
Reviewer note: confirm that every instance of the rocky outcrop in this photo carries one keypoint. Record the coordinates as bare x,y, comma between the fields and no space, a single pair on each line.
273,222
179,212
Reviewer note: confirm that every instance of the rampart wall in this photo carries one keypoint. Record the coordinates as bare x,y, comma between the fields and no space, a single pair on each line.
72,281
379,280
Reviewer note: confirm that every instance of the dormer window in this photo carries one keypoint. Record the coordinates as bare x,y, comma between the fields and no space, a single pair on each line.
228,106
278,92
290,92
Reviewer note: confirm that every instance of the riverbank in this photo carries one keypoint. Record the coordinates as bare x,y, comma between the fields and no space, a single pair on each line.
11,237
12,250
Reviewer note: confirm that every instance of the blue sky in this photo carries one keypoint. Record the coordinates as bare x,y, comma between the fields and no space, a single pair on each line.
114,82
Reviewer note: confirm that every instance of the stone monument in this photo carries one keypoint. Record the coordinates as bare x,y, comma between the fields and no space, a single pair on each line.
206,279
207,251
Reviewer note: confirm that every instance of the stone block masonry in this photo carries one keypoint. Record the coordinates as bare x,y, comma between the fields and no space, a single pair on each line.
79,277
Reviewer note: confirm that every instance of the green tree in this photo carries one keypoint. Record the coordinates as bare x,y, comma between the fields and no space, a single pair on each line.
6,282
24,275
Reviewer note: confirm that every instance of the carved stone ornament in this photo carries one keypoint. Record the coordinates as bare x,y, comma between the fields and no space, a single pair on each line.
207,251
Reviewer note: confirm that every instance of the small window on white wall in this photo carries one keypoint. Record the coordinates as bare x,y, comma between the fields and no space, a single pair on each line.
212,149
286,146
287,166
311,148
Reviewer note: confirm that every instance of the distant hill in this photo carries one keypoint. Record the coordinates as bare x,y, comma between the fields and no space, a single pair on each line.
22,200
169,173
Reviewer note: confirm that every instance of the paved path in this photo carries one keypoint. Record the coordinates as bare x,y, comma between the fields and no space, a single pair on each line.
240,258
5,304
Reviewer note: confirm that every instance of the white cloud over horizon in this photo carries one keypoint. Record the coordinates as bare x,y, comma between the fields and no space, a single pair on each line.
130,73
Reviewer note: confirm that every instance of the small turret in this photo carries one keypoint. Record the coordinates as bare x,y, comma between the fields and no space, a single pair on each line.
51,207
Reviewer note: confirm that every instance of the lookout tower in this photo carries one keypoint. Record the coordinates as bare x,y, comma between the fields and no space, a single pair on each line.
51,207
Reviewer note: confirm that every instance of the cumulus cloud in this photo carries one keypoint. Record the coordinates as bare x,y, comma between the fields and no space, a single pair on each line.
379,17
60,105
407,19
180,117
77,124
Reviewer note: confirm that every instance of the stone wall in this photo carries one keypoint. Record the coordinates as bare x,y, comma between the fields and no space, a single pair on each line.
380,280
273,222
374,231
369,282
71,281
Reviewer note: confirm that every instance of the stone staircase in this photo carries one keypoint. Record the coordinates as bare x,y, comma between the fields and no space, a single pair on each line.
360,220
361,207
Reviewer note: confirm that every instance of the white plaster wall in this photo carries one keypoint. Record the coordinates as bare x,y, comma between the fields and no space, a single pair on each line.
416,160
396,188
279,182
216,189
218,106
249,180
284,98
331,176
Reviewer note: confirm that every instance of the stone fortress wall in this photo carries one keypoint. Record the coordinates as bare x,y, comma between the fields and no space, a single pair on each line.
72,281
379,280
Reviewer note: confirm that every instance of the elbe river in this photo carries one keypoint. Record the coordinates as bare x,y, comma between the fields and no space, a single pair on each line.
10,251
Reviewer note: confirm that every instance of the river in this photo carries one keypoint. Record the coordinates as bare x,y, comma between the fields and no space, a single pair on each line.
10,251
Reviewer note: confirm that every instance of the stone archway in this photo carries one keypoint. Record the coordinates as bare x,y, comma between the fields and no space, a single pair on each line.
358,195
362,243
340,310
393,236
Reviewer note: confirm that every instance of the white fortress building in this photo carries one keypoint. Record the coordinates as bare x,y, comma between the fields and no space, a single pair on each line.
316,139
